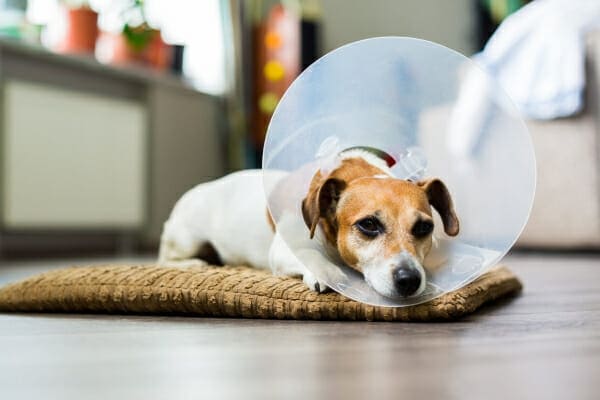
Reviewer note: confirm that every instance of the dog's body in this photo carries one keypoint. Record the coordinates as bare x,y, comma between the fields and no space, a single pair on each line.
228,213
376,224
231,215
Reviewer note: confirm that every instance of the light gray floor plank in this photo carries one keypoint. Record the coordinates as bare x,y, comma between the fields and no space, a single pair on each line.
543,344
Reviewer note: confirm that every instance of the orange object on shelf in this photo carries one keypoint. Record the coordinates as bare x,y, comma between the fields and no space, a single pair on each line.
81,31
113,48
158,54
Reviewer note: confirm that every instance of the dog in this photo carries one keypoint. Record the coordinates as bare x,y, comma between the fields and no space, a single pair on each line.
377,224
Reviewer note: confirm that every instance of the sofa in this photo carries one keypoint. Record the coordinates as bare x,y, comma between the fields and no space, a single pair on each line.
566,211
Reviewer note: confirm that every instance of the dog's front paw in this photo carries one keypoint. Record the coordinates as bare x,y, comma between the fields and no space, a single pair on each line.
313,283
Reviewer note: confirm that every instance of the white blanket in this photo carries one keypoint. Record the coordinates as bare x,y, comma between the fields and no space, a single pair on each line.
538,56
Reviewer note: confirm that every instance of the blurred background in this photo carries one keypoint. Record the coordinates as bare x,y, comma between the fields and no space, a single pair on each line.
111,109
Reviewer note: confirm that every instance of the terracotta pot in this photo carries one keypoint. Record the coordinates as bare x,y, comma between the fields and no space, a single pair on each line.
81,31
112,48
115,49
158,53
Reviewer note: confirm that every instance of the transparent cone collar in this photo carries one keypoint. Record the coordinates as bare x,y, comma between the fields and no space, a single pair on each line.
409,102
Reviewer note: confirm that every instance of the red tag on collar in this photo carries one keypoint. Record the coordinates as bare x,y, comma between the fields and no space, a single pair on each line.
389,160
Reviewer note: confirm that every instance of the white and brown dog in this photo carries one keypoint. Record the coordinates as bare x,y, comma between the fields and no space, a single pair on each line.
378,225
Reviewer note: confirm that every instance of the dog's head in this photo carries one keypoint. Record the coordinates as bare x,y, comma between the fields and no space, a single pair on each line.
379,225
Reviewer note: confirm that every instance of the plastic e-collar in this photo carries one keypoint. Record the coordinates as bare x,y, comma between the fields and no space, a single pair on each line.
437,115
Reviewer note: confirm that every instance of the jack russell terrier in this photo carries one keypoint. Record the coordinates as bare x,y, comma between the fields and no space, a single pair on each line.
378,225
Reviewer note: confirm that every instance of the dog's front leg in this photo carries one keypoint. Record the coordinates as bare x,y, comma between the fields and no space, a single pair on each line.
283,262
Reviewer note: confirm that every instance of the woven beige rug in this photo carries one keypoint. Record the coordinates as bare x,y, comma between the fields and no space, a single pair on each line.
240,292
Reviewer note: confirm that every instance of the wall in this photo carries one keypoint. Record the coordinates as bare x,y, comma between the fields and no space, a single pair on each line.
451,23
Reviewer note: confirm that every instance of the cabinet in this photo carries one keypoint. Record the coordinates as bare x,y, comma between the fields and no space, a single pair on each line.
86,147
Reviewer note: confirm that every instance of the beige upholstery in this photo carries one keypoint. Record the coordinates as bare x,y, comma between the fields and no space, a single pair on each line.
566,212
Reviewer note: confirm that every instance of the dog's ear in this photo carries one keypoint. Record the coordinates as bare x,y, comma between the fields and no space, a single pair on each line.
439,197
321,202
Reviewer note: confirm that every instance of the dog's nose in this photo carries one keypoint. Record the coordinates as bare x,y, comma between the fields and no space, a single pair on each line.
407,280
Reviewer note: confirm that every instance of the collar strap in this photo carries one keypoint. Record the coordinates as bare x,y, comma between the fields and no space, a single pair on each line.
389,160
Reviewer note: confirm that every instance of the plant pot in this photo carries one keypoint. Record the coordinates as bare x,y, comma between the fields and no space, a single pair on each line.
81,31
117,49
158,54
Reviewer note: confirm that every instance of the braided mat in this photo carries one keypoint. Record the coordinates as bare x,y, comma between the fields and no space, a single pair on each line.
226,292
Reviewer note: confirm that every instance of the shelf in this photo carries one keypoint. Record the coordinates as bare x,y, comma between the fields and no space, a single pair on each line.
89,63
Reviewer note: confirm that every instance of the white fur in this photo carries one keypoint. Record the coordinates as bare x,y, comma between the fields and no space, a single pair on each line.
231,214
378,273
368,157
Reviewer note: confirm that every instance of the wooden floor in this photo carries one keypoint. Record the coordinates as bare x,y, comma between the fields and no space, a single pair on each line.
544,344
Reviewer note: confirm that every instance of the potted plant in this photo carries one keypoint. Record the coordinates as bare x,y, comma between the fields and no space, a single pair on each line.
137,42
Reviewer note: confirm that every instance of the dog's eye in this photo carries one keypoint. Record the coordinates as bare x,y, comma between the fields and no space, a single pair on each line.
422,228
370,226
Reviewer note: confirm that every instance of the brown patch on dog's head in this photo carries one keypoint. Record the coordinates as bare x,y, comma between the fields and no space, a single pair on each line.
320,203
